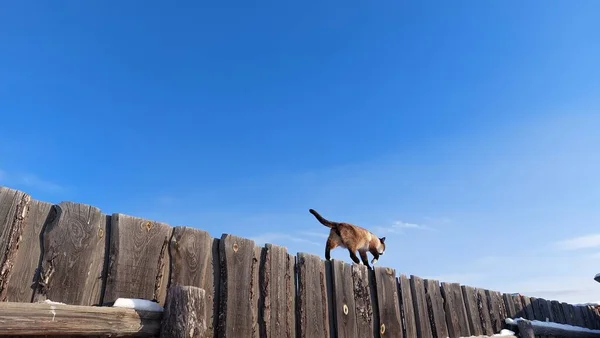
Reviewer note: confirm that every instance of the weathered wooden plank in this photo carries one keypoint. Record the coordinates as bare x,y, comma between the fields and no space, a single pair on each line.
239,293
527,308
362,298
185,313
570,316
390,323
422,321
343,300
195,262
27,259
51,319
138,263
277,287
14,206
407,308
557,312
541,309
73,255
470,298
518,302
312,312
435,304
484,312
456,312
509,304
594,317
497,310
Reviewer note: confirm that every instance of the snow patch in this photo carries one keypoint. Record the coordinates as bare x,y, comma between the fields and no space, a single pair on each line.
48,301
539,323
138,304
503,333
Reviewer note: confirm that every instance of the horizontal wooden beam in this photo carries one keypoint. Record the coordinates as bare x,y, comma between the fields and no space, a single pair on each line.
534,328
60,319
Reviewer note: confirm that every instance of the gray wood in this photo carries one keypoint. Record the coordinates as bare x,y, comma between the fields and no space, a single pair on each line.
195,262
185,313
312,313
390,322
484,312
497,310
239,293
73,256
407,309
525,329
541,309
509,305
362,299
420,306
27,259
557,312
471,305
527,308
42,319
456,312
518,302
570,316
343,299
14,206
138,263
435,303
278,291
594,322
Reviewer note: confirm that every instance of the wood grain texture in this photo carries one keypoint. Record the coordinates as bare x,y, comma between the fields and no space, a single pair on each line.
557,312
278,293
73,256
312,305
138,263
484,312
390,322
456,312
570,316
42,319
14,206
422,321
472,307
362,298
185,313
407,310
195,262
533,329
541,309
527,308
435,304
518,303
27,259
509,304
239,292
497,310
343,301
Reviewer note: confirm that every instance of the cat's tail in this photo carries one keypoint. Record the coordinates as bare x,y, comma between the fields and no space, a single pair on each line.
323,221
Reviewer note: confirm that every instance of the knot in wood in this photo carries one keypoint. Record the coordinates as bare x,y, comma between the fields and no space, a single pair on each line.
345,309
235,247
382,329
389,271
148,225
100,232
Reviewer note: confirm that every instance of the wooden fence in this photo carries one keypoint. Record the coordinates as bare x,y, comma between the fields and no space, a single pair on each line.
74,253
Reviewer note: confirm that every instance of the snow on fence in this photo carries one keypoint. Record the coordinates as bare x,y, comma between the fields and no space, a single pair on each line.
75,254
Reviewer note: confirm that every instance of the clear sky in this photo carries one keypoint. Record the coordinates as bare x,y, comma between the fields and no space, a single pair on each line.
466,132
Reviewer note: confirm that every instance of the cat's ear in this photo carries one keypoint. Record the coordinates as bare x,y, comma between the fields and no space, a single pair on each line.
382,239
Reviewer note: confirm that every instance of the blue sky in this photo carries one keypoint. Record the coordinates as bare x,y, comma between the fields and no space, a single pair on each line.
464,131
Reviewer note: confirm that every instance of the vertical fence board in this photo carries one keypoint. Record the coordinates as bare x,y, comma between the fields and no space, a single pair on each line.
470,298
518,303
343,299
557,312
14,206
593,315
138,261
277,287
390,324
420,306
527,308
509,304
73,255
27,260
312,312
407,308
195,262
238,312
456,312
541,309
362,298
570,317
435,304
497,310
484,312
